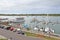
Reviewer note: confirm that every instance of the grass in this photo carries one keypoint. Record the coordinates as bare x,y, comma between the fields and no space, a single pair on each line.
33,35
3,39
41,36
30,34
50,38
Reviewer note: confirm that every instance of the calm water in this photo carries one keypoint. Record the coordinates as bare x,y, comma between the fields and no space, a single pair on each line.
56,25
54,22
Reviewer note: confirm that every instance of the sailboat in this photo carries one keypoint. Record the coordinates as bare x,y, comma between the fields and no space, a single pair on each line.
47,30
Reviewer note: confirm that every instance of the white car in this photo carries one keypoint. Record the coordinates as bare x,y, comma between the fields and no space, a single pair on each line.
16,29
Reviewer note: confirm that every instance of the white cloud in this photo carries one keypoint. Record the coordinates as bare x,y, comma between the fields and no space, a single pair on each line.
14,4
6,3
24,1
28,3
23,5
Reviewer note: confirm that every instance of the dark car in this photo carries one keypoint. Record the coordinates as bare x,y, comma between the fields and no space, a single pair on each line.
2,27
14,30
21,32
8,28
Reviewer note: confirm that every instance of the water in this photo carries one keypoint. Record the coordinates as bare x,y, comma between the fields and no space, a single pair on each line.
54,22
56,25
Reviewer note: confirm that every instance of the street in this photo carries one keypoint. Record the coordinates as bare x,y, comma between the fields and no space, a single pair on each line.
14,36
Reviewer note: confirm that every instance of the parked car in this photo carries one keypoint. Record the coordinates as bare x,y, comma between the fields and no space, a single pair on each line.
11,28
21,32
2,27
16,29
7,28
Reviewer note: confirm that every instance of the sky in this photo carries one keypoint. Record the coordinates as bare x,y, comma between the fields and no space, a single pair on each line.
29,6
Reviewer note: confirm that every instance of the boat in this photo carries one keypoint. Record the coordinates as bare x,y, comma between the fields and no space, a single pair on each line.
49,30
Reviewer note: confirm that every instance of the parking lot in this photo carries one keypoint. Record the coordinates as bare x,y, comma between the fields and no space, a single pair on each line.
18,35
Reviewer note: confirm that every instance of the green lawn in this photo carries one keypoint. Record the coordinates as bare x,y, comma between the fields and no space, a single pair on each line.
3,39
50,38
44,37
30,34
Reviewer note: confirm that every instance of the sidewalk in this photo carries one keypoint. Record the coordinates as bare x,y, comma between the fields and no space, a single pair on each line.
2,37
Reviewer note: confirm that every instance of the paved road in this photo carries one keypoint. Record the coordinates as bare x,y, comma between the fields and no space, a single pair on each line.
15,36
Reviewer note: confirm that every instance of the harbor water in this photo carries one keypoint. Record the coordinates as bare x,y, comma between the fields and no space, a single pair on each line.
46,21
41,21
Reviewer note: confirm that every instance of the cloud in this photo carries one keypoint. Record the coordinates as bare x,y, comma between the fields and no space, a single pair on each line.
29,6
6,4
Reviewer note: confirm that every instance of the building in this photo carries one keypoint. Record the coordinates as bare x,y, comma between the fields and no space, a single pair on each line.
17,22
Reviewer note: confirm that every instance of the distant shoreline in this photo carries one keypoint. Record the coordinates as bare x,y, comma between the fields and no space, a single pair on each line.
29,14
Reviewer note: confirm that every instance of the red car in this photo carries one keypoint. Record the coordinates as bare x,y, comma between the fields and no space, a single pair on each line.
11,28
